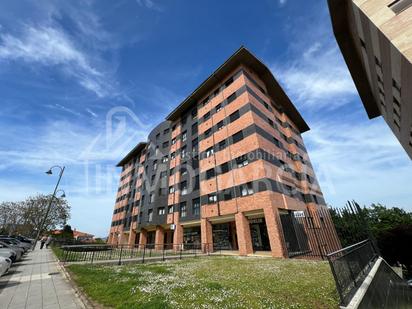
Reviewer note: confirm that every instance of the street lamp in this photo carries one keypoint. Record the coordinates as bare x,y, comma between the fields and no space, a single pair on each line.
50,172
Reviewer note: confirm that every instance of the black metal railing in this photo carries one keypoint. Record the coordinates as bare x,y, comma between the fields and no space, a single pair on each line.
350,266
133,253
387,290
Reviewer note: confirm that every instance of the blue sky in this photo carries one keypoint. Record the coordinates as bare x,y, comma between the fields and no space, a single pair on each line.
81,82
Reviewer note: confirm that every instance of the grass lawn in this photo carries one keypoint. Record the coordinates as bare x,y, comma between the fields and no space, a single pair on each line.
210,282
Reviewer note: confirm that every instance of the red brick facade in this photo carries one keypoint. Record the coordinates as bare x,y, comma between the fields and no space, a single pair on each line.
239,197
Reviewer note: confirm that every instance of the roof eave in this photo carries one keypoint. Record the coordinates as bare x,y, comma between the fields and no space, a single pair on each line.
243,56
138,148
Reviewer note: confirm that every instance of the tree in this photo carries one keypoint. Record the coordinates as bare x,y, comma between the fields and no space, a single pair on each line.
390,227
382,219
25,217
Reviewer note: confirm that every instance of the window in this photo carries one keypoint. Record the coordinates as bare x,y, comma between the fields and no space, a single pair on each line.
242,161
196,183
173,155
205,101
270,121
220,125
174,127
227,194
165,144
163,174
208,132
231,98
246,189
396,85
224,168
150,215
194,113
209,152
195,162
184,119
196,206
222,145
228,82
234,116
165,159
206,116
154,165
184,136
173,141
183,212
212,198
157,136
171,189
276,142
218,107
171,171
183,171
399,6
183,187
151,198
162,191
170,209
194,128
210,173
161,211
195,148
183,152
166,131
237,137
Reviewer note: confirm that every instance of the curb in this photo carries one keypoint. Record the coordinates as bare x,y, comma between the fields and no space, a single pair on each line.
87,303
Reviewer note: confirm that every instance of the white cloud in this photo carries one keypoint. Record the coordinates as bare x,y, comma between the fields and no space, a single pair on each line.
317,78
50,46
93,114
149,4
359,159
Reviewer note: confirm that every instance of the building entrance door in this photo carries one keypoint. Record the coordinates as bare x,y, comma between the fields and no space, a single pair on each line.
191,236
151,239
259,234
224,236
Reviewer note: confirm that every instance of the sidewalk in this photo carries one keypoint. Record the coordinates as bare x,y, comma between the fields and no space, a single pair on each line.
36,282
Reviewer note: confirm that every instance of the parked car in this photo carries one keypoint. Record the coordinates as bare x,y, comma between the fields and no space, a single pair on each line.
8,253
19,251
23,239
12,241
5,264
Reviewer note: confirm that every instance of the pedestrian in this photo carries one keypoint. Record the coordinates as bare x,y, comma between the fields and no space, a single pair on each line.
48,241
43,241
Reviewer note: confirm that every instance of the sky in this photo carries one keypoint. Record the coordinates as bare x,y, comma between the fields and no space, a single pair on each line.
82,82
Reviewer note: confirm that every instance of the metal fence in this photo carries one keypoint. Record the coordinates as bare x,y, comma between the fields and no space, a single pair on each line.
387,291
135,253
309,234
350,266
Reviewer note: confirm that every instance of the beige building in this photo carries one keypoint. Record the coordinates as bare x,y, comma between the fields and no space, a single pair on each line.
375,37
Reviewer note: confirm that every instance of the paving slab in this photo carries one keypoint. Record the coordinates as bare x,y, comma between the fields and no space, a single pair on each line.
37,282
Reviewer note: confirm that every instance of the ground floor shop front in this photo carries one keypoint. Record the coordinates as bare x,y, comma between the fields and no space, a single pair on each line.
280,232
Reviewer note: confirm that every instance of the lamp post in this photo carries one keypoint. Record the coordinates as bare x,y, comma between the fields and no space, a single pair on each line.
49,172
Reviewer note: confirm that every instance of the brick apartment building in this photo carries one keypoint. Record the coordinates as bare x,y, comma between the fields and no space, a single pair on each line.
375,37
227,168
